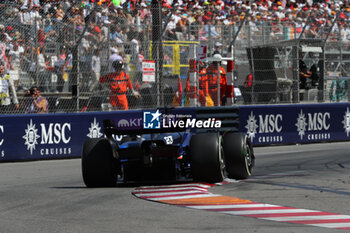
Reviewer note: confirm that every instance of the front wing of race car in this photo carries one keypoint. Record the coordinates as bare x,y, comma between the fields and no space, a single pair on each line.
178,147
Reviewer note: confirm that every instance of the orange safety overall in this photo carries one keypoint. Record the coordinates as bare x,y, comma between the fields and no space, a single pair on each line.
212,71
118,83
203,86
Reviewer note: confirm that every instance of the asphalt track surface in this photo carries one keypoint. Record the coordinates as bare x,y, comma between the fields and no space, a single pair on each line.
49,196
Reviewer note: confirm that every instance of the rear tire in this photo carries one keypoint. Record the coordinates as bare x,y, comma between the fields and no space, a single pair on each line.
207,161
99,167
239,155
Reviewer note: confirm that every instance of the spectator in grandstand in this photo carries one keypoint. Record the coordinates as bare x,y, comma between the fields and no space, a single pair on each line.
139,59
60,13
30,3
276,28
182,26
311,30
132,33
119,82
116,34
97,37
345,34
6,60
9,33
35,17
15,57
48,32
85,61
24,17
211,29
171,32
41,68
96,68
3,45
37,103
19,40
59,67
49,87
78,18
7,90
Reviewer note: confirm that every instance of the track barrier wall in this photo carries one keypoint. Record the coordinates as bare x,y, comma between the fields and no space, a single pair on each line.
294,124
55,136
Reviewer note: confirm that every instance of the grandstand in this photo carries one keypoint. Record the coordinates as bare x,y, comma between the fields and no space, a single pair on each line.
65,46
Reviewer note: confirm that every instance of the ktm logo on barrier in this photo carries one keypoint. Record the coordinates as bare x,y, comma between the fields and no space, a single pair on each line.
126,123
50,134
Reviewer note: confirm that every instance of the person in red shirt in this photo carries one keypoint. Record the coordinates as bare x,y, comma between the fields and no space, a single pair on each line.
119,82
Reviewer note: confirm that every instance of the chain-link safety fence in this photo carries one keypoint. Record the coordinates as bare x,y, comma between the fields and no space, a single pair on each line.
66,48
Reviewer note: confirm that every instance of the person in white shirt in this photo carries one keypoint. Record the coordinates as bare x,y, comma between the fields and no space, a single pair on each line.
7,89
30,3
96,69
15,64
171,29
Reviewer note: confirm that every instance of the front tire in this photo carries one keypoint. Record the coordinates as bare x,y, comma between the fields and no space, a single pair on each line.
207,162
99,167
239,155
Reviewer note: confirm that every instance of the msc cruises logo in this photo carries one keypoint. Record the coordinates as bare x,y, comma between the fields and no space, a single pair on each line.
346,122
314,125
266,127
2,152
53,138
151,120
31,137
301,124
251,126
1,131
95,130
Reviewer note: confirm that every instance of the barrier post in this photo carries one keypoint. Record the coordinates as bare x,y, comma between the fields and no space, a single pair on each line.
193,78
218,74
230,83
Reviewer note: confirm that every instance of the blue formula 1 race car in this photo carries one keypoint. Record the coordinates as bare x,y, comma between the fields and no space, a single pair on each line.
200,144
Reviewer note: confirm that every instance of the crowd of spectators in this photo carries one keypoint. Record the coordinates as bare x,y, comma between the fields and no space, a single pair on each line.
37,36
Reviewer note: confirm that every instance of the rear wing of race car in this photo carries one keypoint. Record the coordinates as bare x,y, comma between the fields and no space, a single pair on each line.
166,120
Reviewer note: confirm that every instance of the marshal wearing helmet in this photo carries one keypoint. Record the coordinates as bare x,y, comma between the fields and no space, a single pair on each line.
119,82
